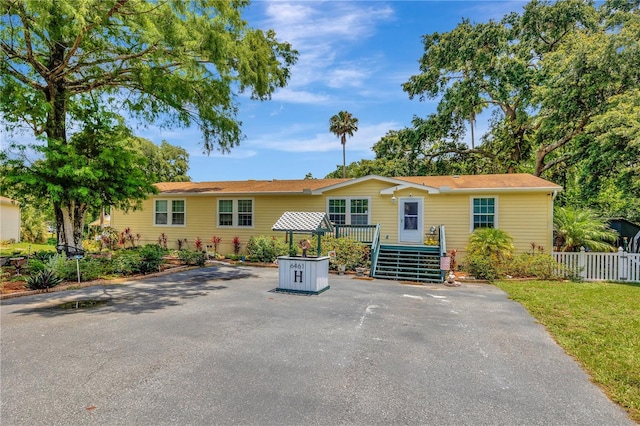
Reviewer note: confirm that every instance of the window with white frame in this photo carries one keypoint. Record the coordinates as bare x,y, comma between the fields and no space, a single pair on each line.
483,212
169,212
235,213
348,211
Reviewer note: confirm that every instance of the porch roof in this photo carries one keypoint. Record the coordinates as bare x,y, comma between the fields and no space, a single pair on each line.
311,222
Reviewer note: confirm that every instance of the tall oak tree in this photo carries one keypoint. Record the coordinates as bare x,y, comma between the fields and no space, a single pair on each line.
174,62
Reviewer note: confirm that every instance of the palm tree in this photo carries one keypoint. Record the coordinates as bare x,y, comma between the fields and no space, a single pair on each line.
493,243
574,228
341,125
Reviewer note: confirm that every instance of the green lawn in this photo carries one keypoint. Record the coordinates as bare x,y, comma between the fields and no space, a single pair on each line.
598,324
23,248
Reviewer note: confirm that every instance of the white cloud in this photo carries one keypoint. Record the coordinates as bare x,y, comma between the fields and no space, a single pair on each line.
299,96
326,35
293,139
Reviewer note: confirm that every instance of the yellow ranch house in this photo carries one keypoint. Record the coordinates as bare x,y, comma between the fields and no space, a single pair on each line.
403,215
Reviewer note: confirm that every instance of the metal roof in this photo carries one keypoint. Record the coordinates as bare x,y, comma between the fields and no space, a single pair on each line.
312,222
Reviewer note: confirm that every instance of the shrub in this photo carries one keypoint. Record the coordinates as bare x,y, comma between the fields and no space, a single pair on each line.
351,253
542,266
58,264
162,240
488,253
216,242
190,257
236,245
36,265
43,280
91,269
493,243
266,249
126,262
151,258
109,237
482,267
91,246
43,255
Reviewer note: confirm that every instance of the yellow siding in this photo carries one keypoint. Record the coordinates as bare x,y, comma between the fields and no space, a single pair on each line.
201,214
383,212
527,217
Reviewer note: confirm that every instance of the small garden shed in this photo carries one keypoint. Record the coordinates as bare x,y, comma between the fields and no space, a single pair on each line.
9,219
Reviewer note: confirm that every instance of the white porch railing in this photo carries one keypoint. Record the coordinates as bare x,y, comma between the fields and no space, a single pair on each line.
620,266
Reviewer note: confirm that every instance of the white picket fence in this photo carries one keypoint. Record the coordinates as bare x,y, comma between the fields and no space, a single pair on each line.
620,266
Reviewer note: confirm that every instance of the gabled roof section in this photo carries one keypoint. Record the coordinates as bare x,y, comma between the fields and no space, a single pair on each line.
431,184
303,222
390,181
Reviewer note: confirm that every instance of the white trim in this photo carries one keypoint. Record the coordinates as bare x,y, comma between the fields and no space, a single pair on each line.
447,189
392,181
169,212
495,213
408,185
234,212
348,207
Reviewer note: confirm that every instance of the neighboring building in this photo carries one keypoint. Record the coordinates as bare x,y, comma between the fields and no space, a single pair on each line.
406,208
9,219
628,234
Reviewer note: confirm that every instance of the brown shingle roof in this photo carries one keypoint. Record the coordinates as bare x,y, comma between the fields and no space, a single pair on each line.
513,181
463,182
247,186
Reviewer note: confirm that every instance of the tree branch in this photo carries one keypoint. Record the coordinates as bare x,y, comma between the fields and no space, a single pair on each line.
21,77
42,70
81,36
121,58
545,150
481,152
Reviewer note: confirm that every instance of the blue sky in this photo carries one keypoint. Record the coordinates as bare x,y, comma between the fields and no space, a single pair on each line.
353,56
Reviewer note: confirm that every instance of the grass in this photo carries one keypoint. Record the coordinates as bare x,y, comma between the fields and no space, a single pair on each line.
23,248
596,323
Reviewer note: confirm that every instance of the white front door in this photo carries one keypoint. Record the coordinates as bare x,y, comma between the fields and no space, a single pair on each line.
410,214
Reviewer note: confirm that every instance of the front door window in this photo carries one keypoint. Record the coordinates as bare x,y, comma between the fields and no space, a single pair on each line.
411,216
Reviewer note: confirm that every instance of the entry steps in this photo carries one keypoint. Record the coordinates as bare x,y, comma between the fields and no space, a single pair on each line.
409,263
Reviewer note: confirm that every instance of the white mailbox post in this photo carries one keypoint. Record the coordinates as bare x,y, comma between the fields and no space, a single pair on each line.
303,274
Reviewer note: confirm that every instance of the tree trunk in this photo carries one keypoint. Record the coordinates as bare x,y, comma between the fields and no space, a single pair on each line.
70,223
344,156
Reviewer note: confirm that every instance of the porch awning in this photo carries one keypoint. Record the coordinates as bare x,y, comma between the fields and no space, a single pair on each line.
311,222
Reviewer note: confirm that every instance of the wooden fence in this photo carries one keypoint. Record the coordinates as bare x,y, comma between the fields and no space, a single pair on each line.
619,266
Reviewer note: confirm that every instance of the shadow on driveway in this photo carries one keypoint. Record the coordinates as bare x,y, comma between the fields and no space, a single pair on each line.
138,297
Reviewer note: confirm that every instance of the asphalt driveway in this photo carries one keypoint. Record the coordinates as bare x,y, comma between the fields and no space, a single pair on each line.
218,346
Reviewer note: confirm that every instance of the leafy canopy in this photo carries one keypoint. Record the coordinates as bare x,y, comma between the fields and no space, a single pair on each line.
175,62
547,75
70,67
97,167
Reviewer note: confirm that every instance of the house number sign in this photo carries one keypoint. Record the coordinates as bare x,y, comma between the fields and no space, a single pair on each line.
298,269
